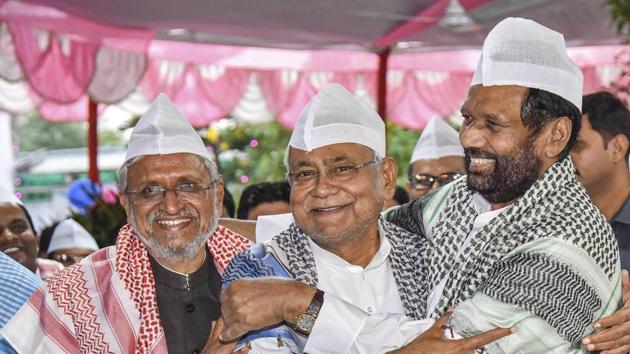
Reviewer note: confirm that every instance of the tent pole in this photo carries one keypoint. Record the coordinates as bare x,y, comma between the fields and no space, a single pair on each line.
92,141
381,94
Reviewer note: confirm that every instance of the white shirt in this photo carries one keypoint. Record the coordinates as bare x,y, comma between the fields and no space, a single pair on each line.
362,310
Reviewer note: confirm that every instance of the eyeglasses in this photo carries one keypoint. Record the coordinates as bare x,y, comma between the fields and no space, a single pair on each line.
67,258
154,194
308,177
424,181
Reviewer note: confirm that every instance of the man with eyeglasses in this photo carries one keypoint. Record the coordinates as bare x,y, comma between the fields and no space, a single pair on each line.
360,285
70,243
156,290
516,244
437,159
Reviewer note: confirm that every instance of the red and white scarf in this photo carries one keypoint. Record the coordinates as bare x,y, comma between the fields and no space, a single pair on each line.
105,304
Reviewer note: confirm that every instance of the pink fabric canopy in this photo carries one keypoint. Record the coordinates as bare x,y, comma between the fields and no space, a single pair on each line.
66,61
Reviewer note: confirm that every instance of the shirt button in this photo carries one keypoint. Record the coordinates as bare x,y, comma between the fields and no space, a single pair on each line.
369,309
190,308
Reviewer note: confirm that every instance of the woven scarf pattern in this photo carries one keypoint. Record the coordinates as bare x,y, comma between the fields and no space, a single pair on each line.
554,207
405,259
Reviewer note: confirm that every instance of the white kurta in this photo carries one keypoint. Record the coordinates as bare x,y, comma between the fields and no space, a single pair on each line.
362,310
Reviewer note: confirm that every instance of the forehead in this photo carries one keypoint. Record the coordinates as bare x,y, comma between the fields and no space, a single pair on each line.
446,164
586,125
11,211
327,154
166,167
502,101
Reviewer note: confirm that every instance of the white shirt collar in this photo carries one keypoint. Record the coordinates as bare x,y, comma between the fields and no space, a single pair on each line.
330,258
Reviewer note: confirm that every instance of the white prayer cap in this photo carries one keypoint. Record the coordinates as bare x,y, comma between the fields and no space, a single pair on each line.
8,197
70,234
438,139
164,130
522,52
335,116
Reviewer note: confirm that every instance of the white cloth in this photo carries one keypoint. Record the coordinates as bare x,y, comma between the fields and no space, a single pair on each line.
70,234
438,139
362,310
268,226
164,130
335,116
522,52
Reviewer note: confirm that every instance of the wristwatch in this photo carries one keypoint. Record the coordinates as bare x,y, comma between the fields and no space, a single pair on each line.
304,322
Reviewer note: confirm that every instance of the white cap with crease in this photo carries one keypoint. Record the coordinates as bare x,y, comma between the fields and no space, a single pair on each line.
335,116
438,139
163,129
522,52
70,234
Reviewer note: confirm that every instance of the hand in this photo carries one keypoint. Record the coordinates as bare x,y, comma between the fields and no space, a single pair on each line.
613,336
434,341
250,304
214,345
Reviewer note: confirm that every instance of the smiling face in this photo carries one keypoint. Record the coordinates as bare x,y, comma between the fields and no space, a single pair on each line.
17,238
501,158
333,212
173,229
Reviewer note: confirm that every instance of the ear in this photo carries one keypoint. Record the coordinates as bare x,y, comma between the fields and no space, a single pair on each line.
390,172
556,136
122,197
618,147
218,193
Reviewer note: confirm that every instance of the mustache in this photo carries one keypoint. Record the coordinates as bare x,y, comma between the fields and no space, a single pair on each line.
182,212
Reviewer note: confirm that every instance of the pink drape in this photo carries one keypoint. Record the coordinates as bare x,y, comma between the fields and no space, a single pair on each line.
200,96
226,90
53,74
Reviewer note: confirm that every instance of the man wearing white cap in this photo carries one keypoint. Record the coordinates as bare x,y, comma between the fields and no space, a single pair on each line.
70,242
518,242
360,285
157,289
437,159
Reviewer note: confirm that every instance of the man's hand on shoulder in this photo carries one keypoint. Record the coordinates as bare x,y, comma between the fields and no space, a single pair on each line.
434,341
614,330
250,304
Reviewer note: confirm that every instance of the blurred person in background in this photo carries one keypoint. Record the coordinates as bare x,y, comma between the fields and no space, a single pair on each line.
228,204
266,198
70,242
437,159
18,239
600,156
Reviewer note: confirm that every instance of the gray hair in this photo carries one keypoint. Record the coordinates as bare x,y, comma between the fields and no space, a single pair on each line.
124,170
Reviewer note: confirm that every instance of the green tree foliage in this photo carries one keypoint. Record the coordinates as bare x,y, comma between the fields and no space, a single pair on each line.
32,132
264,162
400,144
620,11
255,151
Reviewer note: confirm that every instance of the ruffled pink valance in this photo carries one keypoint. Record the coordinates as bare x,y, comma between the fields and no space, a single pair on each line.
56,63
